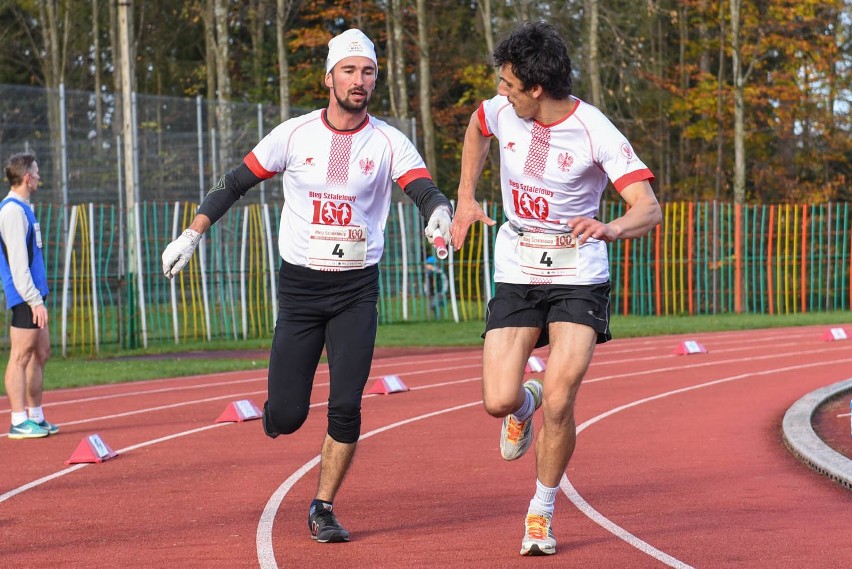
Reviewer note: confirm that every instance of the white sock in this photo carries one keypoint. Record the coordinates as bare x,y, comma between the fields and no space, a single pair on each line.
37,414
527,408
544,499
18,418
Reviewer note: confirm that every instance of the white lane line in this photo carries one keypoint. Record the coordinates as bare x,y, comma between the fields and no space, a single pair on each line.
40,481
265,553
617,530
323,371
74,468
621,533
597,364
679,368
219,398
148,392
153,409
580,428
753,335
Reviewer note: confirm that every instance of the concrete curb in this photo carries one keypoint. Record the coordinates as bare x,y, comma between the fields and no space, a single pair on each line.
802,441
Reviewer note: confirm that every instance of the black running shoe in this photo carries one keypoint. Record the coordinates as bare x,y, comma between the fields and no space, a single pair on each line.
325,528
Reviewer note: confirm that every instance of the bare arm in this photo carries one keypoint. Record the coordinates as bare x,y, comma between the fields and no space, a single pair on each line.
643,215
474,153
200,223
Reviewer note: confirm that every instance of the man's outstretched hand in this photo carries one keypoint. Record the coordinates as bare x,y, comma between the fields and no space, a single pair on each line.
467,213
179,251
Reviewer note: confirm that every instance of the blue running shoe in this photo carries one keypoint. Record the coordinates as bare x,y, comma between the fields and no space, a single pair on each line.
49,427
27,430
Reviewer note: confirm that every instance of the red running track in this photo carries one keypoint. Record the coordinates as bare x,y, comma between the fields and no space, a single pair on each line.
680,462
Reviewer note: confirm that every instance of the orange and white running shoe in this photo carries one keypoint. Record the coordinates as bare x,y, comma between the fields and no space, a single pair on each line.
516,437
538,538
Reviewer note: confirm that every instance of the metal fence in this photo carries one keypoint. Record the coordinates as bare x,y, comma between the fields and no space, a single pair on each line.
705,258
179,152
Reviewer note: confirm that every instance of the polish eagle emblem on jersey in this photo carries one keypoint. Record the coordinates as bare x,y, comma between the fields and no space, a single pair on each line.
565,160
367,166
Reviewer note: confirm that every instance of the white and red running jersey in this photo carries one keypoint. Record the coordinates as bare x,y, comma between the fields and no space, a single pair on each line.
337,187
550,174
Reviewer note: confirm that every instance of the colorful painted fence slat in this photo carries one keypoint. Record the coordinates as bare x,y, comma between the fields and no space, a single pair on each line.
107,287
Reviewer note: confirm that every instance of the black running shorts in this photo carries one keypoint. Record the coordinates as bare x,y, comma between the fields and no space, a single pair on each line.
22,317
536,306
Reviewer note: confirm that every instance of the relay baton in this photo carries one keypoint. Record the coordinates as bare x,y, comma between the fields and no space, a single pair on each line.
440,244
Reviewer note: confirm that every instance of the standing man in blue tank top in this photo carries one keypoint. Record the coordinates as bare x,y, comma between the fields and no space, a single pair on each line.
25,284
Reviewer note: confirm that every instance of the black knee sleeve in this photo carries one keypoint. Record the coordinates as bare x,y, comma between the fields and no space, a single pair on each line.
276,422
344,423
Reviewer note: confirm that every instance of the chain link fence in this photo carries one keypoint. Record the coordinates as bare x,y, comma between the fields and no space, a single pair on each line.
180,150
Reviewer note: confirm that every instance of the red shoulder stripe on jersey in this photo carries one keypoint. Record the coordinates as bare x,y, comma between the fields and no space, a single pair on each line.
483,126
255,167
637,176
412,175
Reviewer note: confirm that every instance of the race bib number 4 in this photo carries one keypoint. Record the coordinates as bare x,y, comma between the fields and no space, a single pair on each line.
544,255
337,247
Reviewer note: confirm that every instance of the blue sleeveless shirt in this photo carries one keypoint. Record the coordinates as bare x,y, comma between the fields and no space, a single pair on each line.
34,246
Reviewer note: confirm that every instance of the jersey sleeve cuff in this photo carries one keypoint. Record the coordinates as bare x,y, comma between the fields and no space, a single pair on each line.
412,175
632,177
483,126
255,167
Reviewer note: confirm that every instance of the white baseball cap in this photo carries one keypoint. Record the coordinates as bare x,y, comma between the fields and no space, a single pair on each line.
348,44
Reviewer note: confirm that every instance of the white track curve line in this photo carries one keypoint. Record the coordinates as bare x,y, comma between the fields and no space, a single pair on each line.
719,347
234,382
230,396
70,469
265,553
621,533
671,354
153,409
702,364
616,530
148,392
48,478
40,481
322,370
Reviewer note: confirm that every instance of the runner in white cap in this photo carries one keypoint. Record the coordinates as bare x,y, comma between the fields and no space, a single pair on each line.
351,43
338,165
557,154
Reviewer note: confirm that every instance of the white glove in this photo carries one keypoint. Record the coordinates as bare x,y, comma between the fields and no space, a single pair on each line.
440,220
179,251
